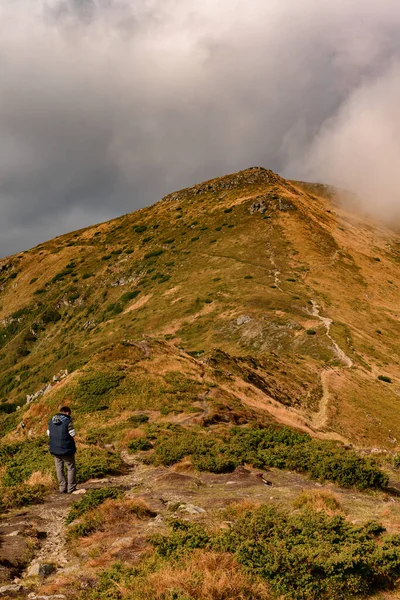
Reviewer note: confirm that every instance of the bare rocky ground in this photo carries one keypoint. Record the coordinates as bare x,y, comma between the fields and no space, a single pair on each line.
34,554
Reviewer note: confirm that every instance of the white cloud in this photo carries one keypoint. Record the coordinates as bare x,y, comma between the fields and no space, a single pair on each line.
106,105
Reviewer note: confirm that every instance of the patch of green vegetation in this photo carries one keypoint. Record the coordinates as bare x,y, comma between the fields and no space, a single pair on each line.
21,459
248,277
106,257
129,296
33,280
51,315
307,555
140,228
115,308
154,253
8,407
89,524
91,500
311,332
62,274
21,495
94,388
138,419
279,447
384,378
95,462
139,444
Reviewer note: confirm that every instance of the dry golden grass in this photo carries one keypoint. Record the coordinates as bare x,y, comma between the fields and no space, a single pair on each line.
117,511
183,466
133,434
43,478
320,500
237,509
206,576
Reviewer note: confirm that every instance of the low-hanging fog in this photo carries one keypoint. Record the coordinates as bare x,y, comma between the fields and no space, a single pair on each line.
107,105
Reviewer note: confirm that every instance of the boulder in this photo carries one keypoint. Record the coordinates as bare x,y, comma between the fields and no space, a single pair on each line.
40,569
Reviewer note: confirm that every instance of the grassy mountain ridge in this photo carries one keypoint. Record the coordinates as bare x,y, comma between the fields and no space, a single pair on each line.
230,355
299,296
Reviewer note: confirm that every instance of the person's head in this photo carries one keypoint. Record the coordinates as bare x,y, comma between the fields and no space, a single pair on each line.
65,410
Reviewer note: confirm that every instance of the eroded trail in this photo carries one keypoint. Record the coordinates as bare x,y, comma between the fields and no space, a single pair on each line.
320,419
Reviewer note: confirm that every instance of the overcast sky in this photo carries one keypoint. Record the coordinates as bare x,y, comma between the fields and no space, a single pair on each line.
108,105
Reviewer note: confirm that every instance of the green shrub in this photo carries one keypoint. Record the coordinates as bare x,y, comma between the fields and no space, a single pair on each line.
116,308
307,555
164,278
40,291
248,277
62,274
94,388
87,275
89,524
33,280
140,228
13,275
169,241
139,444
228,210
311,332
23,458
91,500
146,240
106,257
94,463
312,555
8,407
51,315
384,378
21,495
184,536
129,295
154,253
279,447
138,419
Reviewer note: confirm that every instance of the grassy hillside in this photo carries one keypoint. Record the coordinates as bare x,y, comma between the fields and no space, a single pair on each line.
264,291
231,358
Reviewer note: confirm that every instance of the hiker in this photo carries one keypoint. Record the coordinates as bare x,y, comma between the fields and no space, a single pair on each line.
62,446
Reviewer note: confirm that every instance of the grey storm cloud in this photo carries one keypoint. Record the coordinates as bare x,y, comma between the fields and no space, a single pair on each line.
107,105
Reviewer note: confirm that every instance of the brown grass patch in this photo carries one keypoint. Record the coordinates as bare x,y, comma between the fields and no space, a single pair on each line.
117,511
43,478
320,500
133,434
207,576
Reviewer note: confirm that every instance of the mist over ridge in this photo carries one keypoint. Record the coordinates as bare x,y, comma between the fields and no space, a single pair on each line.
105,106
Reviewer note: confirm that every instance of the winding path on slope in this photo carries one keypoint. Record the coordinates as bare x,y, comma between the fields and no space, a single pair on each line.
320,419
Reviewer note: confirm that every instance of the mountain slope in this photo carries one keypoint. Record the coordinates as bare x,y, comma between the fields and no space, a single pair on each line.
263,294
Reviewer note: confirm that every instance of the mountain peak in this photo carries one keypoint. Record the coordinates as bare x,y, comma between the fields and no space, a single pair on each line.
251,177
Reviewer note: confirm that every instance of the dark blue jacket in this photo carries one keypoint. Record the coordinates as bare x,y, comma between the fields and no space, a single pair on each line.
61,441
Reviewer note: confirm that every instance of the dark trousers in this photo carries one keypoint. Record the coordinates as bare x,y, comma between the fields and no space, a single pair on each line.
69,484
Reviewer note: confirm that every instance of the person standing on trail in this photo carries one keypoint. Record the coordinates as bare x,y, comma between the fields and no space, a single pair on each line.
61,434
